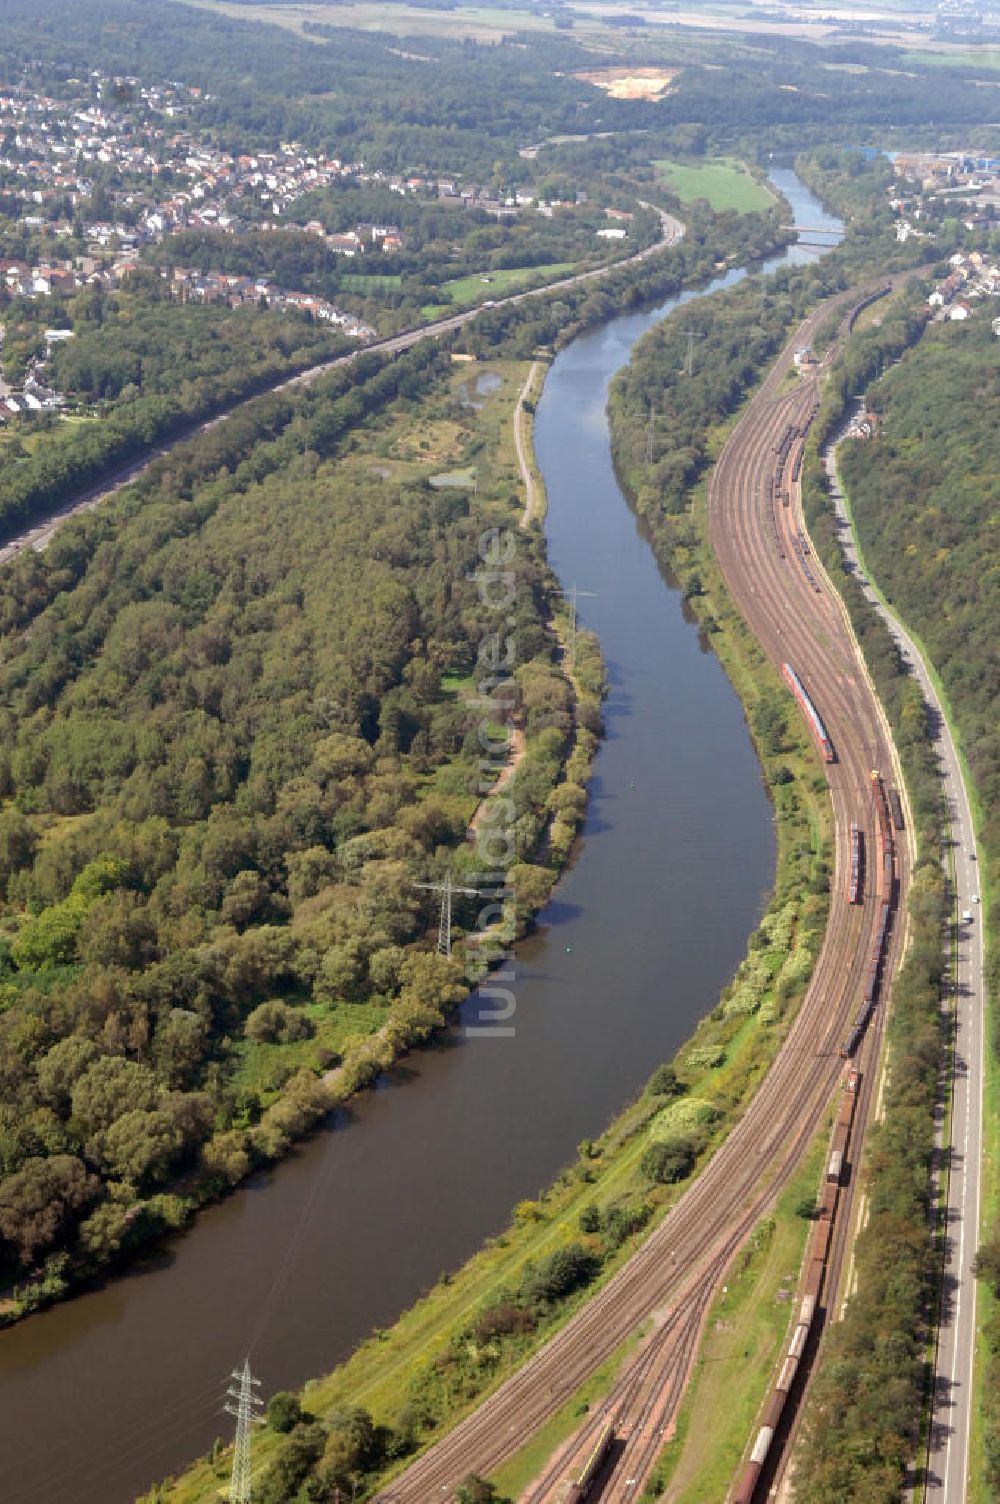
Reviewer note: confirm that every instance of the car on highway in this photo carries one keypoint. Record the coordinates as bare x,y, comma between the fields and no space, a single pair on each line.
967,916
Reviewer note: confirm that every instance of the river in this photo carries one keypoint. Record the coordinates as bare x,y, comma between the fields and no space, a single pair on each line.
106,1393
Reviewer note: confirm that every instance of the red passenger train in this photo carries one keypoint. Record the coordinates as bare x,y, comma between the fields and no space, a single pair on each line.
854,893
812,715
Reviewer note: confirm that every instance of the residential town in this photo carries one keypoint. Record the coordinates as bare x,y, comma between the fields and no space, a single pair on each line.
970,183
58,154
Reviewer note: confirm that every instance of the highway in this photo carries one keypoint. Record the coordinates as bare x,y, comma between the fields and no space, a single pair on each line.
667,1285
961,1158
40,533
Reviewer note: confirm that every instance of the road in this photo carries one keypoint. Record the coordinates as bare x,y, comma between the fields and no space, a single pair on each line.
40,533
948,1451
667,1285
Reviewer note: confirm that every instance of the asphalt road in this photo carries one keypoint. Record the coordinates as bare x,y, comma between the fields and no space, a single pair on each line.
948,1453
40,533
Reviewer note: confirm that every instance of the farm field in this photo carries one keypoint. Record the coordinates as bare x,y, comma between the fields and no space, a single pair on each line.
723,181
977,57
482,286
480,22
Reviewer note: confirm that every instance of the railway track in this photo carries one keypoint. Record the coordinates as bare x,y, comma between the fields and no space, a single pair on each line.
669,1282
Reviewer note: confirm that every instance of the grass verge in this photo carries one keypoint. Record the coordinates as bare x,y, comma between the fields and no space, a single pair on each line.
745,1336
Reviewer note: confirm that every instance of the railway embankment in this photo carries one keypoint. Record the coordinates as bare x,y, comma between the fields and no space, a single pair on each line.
894,1272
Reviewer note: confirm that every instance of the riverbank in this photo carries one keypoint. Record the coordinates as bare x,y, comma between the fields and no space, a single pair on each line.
624,893
440,1351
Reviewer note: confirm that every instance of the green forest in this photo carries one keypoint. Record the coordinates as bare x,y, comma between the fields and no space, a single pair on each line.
924,497
233,737
139,369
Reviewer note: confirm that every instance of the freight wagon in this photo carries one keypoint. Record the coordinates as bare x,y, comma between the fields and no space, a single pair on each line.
585,1481
816,1259
885,876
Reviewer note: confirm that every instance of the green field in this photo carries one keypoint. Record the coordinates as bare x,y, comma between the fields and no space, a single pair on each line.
465,291
479,22
723,181
979,58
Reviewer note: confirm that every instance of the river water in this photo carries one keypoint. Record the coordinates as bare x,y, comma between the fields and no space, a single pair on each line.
104,1394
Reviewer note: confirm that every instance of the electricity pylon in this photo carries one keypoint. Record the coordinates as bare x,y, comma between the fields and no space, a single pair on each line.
649,437
446,889
572,595
247,1405
691,335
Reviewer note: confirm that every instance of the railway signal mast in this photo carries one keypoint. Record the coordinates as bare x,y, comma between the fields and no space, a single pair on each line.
245,1404
446,889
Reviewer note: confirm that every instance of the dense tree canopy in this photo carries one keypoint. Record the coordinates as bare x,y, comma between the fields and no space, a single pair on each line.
229,745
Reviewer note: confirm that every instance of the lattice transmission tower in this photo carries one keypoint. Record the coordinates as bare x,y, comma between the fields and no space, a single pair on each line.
245,1403
691,335
446,889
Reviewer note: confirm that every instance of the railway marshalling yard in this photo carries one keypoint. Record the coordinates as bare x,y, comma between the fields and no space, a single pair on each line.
667,1286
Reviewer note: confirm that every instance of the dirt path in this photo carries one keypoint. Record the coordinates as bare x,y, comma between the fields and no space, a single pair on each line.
521,447
517,748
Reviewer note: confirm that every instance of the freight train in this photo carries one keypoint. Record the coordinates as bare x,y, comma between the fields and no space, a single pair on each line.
811,713
817,1256
885,876
897,809
859,308
585,1481
854,894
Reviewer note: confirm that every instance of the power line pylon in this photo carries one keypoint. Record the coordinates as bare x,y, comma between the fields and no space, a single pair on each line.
446,889
572,595
691,335
246,1410
649,437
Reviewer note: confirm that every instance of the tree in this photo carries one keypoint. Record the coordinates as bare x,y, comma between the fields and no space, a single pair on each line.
275,1022
138,1146
664,1082
118,931
477,1490
37,1203
986,1265
18,844
668,1162
110,1087
61,1067
179,1046
284,1410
